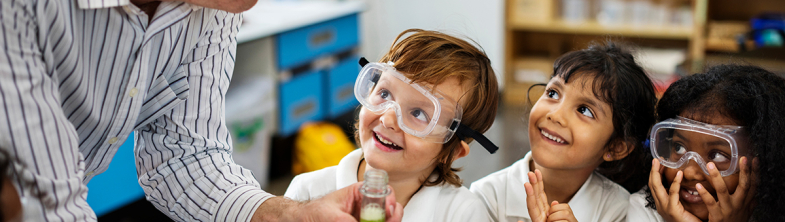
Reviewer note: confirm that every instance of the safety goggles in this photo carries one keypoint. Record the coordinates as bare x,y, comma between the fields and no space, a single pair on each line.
675,141
420,110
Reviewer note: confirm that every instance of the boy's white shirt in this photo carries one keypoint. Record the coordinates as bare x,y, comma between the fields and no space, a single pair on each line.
431,203
638,210
598,199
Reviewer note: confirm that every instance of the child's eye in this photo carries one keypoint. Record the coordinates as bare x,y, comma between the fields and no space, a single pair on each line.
384,94
420,115
679,149
552,94
717,157
586,111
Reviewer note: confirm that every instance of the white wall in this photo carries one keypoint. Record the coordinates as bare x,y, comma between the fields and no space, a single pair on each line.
480,20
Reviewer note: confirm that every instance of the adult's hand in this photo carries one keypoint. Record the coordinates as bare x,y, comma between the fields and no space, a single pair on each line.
342,205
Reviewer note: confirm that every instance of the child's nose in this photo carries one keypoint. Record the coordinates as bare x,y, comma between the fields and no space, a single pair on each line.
692,171
389,120
556,115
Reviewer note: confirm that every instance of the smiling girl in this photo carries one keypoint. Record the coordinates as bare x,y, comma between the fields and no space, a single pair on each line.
714,128
596,110
421,105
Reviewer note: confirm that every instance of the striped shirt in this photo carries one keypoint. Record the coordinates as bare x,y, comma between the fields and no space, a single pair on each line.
78,76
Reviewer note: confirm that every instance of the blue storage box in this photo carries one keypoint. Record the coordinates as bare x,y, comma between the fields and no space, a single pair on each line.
300,101
340,87
118,185
300,46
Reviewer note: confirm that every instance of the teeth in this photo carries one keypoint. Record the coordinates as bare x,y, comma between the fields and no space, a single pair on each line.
552,137
693,192
386,142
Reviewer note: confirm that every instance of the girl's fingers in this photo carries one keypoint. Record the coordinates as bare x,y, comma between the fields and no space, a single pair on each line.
719,185
674,191
714,208
655,185
744,182
531,201
536,193
561,212
753,181
541,186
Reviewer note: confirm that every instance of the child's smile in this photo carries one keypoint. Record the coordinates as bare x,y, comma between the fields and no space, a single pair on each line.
386,146
568,126
693,174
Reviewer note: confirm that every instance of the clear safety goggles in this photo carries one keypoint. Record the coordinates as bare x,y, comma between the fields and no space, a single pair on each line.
420,110
675,141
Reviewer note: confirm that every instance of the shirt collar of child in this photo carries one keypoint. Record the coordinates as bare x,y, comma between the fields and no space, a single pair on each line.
582,204
421,206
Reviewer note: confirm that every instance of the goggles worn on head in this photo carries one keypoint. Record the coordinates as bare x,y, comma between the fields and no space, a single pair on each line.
420,110
677,140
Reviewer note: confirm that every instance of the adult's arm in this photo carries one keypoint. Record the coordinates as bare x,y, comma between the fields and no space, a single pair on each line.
34,130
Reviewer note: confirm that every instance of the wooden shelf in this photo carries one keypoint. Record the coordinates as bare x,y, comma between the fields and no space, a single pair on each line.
595,28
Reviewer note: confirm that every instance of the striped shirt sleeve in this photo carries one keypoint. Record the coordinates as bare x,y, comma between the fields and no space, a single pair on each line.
184,157
41,142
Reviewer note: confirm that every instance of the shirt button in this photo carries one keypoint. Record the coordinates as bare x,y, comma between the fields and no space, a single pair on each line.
89,173
133,92
113,140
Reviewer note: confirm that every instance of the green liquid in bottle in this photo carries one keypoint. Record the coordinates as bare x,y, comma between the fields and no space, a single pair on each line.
372,213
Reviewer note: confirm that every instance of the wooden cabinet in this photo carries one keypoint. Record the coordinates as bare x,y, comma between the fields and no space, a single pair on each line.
536,31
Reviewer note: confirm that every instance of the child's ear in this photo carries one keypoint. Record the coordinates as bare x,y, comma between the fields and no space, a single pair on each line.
463,150
618,151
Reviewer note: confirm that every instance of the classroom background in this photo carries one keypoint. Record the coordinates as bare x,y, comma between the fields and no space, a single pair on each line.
291,107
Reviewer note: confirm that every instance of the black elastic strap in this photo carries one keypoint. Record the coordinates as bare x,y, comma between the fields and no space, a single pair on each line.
464,131
363,61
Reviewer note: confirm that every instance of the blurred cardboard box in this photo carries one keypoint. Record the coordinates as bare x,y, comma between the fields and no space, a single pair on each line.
526,72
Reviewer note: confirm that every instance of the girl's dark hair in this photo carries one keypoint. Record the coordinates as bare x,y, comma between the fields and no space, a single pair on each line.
619,81
754,98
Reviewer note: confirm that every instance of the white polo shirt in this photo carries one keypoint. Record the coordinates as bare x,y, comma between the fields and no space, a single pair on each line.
598,199
638,210
431,203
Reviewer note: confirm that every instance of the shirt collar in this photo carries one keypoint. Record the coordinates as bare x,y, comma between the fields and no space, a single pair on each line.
96,4
516,194
421,206
347,169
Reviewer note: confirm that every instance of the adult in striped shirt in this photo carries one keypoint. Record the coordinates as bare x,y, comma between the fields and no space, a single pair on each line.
78,76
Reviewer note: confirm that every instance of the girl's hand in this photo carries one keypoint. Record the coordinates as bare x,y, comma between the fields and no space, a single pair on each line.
536,200
731,207
668,205
561,212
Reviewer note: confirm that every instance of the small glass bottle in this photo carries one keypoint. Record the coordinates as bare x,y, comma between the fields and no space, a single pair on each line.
374,192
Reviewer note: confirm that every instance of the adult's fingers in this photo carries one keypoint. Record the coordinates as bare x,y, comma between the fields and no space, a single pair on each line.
393,209
395,213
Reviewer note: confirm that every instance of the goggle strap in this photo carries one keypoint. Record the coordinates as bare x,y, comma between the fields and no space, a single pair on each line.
363,62
464,132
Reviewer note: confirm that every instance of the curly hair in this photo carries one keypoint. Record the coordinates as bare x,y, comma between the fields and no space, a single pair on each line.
754,98
433,57
619,81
